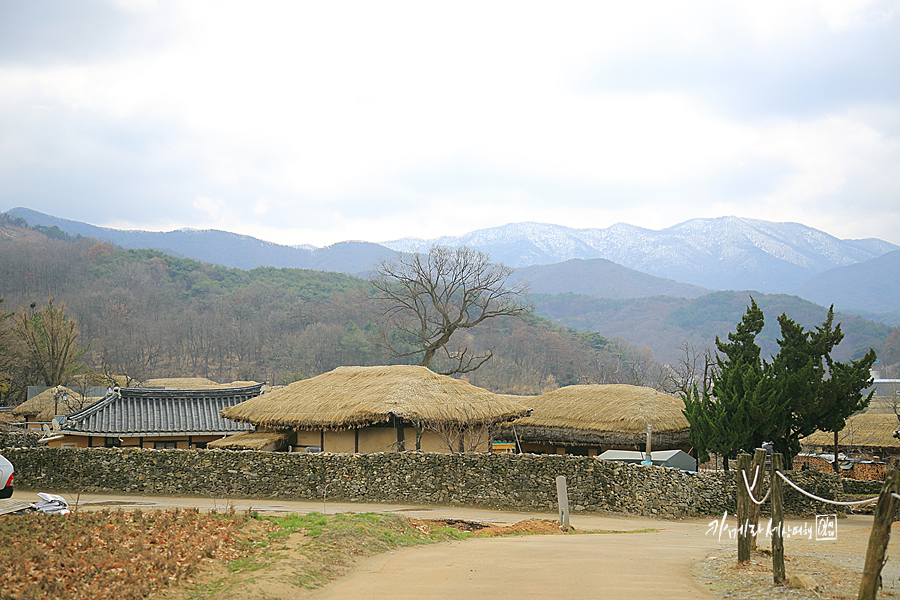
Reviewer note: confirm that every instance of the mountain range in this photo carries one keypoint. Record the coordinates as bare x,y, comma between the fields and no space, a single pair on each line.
623,261
724,253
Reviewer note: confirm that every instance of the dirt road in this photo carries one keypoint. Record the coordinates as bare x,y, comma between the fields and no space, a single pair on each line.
610,566
644,559
630,563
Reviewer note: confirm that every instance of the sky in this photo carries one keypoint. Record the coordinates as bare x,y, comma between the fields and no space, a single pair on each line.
318,122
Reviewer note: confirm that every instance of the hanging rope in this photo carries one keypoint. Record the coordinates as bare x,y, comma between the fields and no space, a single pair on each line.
755,477
825,500
750,488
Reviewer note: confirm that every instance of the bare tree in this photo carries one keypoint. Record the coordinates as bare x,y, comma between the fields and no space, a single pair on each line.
9,357
694,367
625,363
48,340
460,437
426,298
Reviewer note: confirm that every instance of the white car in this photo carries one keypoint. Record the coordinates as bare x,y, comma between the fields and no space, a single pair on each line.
6,478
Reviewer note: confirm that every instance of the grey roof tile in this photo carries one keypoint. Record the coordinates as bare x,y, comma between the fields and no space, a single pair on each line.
148,411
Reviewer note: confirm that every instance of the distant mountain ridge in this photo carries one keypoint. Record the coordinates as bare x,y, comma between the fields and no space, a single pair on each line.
872,286
720,253
602,278
680,261
224,248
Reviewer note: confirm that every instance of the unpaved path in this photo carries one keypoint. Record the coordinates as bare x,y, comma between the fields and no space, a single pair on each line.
610,566
633,563
630,564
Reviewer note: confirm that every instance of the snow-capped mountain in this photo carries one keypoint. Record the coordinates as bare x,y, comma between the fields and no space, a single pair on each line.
721,253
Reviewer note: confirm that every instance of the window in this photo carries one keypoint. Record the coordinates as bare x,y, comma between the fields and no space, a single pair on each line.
165,445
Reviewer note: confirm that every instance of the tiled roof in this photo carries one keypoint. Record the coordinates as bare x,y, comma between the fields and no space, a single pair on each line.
141,411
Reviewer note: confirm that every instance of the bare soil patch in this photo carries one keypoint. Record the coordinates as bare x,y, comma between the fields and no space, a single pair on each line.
724,577
526,527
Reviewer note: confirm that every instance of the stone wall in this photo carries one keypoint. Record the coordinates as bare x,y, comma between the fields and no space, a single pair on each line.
15,438
862,471
503,481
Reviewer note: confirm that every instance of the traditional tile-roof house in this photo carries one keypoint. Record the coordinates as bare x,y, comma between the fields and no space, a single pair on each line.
154,418
590,419
372,409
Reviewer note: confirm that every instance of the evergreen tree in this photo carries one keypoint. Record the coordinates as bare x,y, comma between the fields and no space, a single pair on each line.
819,392
802,390
737,415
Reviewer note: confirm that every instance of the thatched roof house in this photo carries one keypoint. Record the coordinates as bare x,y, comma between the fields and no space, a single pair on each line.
367,409
590,419
867,432
50,403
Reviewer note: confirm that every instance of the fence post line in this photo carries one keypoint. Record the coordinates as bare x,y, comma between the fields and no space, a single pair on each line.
743,508
777,521
880,536
758,469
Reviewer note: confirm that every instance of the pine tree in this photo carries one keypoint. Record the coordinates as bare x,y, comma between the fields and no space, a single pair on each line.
735,416
802,390
820,393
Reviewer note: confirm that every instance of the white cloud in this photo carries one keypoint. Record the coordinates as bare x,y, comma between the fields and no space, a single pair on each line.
382,120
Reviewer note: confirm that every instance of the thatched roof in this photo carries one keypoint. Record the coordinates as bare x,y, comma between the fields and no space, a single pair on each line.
44,406
251,440
866,430
192,383
357,396
603,415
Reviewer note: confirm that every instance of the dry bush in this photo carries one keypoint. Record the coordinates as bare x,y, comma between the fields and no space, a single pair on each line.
100,555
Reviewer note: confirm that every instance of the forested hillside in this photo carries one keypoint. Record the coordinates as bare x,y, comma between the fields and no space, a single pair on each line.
665,323
146,314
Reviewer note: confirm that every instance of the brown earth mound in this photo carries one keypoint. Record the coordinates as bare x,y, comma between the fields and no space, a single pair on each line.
528,526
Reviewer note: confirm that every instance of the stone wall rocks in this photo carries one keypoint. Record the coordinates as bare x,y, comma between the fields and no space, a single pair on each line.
501,481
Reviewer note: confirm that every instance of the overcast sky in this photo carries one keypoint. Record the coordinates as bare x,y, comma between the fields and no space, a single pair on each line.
317,122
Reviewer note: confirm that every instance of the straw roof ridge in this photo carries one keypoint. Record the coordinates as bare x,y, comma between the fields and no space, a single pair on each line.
606,408
357,396
865,430
249,440
191,383
45,407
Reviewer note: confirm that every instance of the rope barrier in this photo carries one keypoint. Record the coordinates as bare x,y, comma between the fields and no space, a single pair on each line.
801,490
755,477
825,500
750,488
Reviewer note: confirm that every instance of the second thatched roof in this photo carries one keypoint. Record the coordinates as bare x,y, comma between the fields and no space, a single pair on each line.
52,402
192,383
865,431
614,415
358,396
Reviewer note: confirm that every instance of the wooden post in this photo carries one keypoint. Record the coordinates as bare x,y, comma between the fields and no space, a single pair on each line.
562,496
401,438
758,466
649,452
777,521
880,536
837,467
743,508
